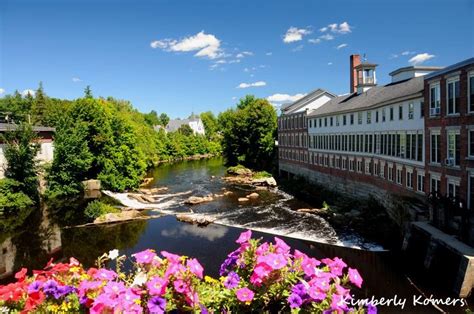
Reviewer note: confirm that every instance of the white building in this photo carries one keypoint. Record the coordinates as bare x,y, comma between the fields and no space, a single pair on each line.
194,123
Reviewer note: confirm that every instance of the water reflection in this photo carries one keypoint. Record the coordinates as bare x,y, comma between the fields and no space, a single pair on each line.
210,233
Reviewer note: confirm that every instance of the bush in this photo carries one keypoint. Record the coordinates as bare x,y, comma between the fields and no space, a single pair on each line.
96,209
256,277
262,175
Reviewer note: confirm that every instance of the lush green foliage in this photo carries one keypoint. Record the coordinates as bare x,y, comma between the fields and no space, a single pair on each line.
97,208
249,133
20,153
15,205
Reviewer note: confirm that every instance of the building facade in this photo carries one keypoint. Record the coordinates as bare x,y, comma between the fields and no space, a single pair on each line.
45,139
194,123
449,131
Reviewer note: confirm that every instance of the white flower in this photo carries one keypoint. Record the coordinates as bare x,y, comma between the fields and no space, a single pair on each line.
140,279
113,254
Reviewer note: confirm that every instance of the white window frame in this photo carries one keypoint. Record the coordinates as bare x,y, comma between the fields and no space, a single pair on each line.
409,178
453,81
448,133
420,184
411,111
436,110
434,132
455,182
399,175
436,177
390,173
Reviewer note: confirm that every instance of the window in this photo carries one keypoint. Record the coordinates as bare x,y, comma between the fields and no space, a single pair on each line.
376,116
320,123
344,120
383,115
337,120
471,142
351,165
400,112
331,119
359,165
391,113
310,123
409,179
411,111
435,184
367,167
422,109
352,118
435,98
399,175
390,173
369,117
453,188
453,96
420,182
325,121
435,148
470,95
359,117
453,156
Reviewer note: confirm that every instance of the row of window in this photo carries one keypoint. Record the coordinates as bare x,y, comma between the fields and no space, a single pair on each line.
376,116
407,145
293,139
453,96
381,169
453,147
292,122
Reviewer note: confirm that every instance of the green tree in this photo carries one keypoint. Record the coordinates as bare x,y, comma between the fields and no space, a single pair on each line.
210,124
249,133
186,130
39,106
88,92
20,153
152,118
164,119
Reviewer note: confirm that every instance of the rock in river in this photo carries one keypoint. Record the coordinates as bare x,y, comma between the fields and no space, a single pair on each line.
195,219
243,199
194,200
253,195
114,217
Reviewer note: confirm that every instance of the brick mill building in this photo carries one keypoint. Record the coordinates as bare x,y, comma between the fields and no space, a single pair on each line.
406,138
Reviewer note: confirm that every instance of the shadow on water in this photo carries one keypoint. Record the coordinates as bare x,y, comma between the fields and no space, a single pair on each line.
42,238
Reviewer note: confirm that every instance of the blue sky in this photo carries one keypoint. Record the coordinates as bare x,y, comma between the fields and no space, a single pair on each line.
183,56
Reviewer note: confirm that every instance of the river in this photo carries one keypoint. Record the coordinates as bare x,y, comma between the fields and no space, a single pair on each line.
272,213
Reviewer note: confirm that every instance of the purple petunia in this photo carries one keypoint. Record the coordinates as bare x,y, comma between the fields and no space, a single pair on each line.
35,286
295,300
50,287
232,280
229,262
62,291
157,305
371,309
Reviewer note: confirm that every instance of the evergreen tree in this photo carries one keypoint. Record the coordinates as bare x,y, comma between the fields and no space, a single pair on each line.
88,92
164,119
39,106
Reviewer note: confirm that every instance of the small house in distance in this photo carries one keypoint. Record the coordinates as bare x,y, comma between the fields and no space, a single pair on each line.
45,136
195,123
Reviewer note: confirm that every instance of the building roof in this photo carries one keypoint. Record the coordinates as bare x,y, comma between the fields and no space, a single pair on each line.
305,100
414,68
174,124
450,68
375,96
10,127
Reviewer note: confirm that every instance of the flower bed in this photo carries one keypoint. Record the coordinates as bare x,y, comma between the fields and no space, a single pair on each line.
255,277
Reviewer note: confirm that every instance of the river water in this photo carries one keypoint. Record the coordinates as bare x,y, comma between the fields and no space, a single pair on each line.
272,213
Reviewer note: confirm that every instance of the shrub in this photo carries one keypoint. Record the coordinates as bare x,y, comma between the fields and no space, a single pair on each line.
262,175
96,209
257,277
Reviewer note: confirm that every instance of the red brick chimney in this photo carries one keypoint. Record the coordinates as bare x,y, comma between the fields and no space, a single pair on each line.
355,61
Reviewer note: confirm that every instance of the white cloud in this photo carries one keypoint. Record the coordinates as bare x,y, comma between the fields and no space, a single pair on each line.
295,34
420,58
329,63
407,53
2,90
28,91
326,37
256,84
284,98
314,40
341,46
206,45
342,28
297,48
234,98
76,79
269,53
244,54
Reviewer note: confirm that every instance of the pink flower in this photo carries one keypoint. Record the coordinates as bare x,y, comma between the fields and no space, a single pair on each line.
298,254
256,280
275,261
342,291
114,289
144,257
244,237
321,283
355,277
316,294
262,248
172,258
281,246
180,286
309,265
195,267
338,302
105,274
157,286
262,270
337,266
244,294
